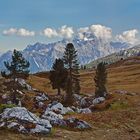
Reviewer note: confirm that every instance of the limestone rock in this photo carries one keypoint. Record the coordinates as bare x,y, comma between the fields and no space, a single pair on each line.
22,120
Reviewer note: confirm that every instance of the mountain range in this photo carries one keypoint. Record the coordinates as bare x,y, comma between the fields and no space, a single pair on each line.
41,56
112,58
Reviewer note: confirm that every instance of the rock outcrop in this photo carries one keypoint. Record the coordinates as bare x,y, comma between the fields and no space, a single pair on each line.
22,120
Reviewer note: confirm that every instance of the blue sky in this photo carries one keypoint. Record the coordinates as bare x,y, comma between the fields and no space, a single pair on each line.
36,15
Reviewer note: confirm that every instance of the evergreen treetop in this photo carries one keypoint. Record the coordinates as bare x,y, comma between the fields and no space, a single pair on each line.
17,68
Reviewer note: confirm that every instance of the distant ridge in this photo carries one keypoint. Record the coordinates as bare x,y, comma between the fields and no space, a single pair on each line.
112,58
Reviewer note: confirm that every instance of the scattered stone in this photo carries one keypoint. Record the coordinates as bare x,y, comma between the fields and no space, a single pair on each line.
98,100
85,102
23,83
125,92
20,92
4,96
19,103
59,108
2,124
51,116
121,92
132,94
40,104
72,123
41,97
76,123
59,122
85,111
77,97
40,129
13,124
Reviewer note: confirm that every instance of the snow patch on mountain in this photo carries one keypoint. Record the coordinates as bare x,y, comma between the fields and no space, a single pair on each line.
41,56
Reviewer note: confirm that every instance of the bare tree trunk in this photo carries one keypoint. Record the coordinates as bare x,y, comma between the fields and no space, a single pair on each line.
59,91
69,99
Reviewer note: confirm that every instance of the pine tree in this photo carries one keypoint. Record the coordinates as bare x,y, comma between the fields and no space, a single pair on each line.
17,68
58,75
100,80
71,64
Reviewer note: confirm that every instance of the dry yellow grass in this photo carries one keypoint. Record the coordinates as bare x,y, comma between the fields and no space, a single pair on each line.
42,84
121,76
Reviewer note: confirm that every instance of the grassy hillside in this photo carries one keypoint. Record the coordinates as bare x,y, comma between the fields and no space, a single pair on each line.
122,75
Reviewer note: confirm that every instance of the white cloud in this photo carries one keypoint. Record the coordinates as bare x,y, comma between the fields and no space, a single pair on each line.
63,32
101,31
50,32
128,36
24,32
10,31
66,32
18,32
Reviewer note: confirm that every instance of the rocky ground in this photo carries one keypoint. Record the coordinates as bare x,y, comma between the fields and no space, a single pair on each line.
106,125
118,121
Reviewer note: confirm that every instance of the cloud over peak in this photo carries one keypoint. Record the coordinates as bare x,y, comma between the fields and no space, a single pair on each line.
66,32
49,32
129,36
101,32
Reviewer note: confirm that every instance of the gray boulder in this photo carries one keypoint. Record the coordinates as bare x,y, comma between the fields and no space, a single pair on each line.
85,111
59,108
23,121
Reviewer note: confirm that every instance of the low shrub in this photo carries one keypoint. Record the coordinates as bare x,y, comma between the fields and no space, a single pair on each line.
118,105
4,106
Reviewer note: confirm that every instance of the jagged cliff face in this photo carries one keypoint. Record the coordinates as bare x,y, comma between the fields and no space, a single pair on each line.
41,56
